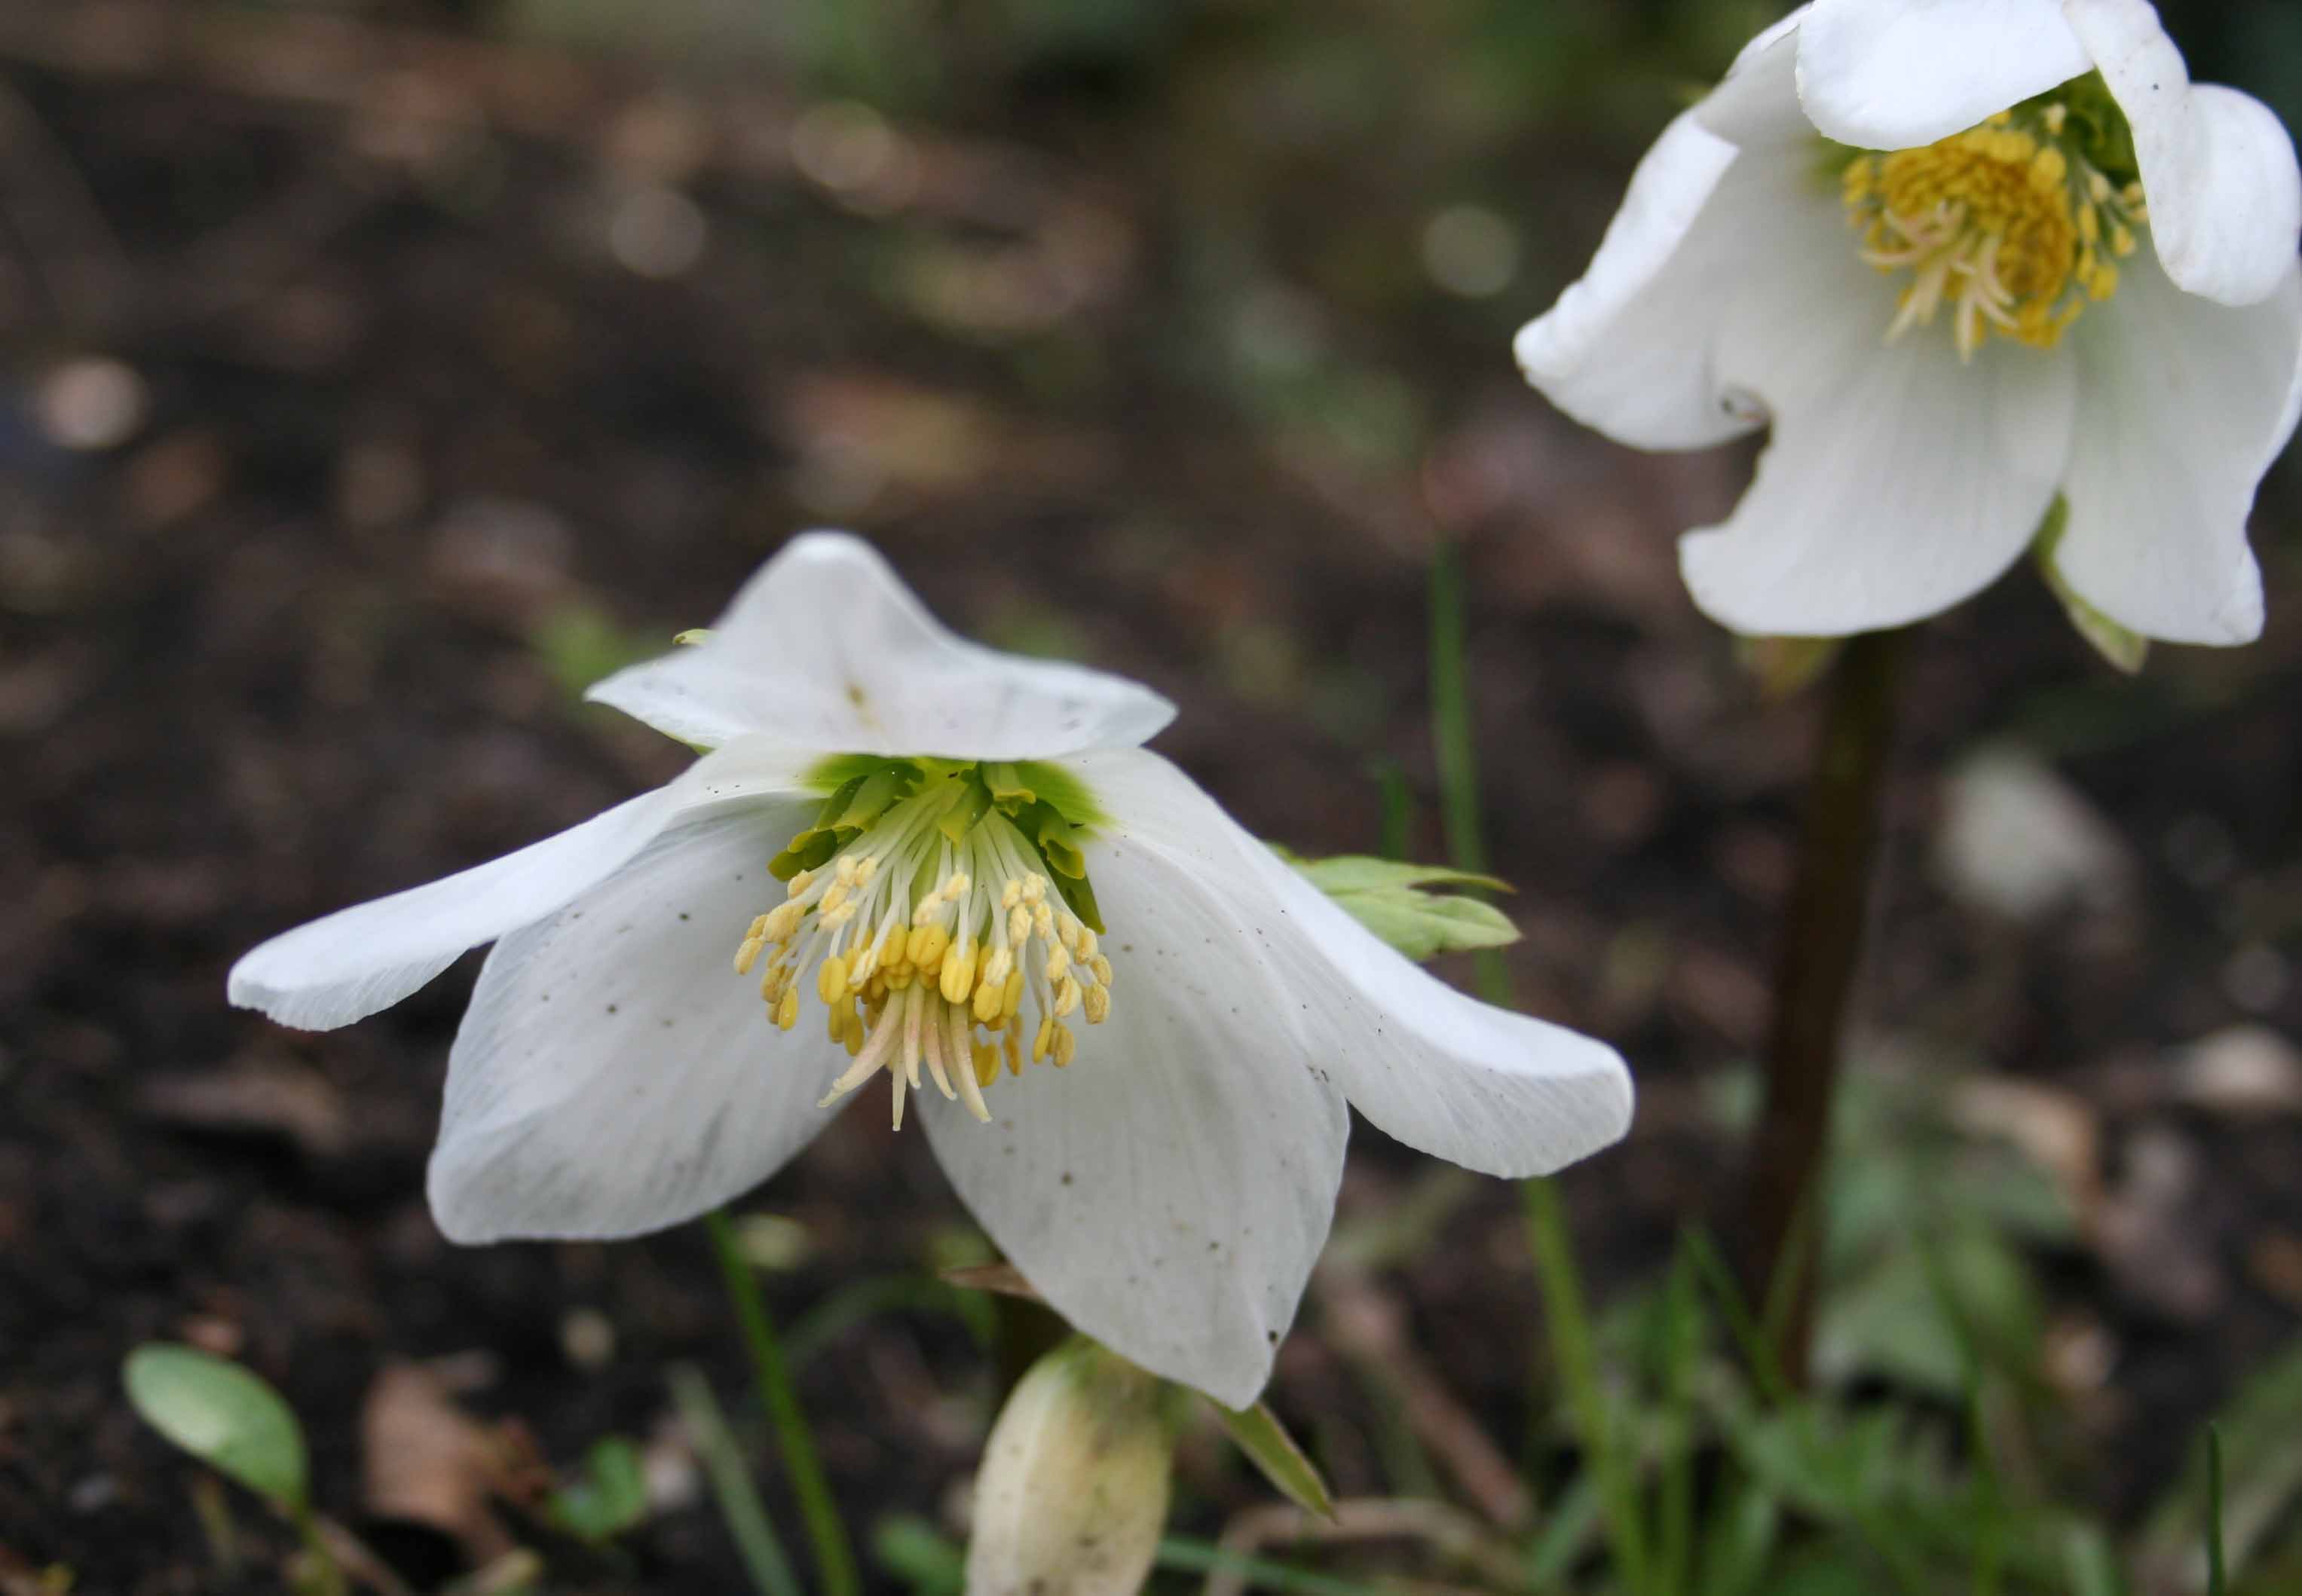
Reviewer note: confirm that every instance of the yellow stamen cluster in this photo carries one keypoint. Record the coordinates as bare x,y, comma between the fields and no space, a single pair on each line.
2006,222
936,977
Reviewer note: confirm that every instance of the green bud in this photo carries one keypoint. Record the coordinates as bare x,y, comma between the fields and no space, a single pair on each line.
1072,1493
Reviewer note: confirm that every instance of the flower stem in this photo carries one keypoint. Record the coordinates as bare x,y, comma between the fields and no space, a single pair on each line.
835,1558
1821,950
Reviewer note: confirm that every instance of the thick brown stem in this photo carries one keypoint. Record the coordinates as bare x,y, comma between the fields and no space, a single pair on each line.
1821,950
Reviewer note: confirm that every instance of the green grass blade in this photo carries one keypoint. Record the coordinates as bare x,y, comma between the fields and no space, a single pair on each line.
732,1486
2217,1577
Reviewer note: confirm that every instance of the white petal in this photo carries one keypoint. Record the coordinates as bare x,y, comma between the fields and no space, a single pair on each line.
2218,168
1170,1190
1755,105
2186,403
614,1074
1499,1092
1888,74
826,648
1899,480
1628,349
359,960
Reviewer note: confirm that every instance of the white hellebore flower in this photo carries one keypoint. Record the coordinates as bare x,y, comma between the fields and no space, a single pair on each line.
1964,255
961,856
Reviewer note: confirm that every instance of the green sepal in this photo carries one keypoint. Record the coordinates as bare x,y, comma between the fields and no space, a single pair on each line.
1008,788
1058,845
974,802
1078,894
818,849
785,865
875,795
835,806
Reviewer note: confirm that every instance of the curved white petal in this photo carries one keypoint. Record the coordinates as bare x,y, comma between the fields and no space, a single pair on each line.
1168,1192
1888,74
1755,106
825,648
359,960
1499,1092
2218,168
1626,350
614,1074
2186,403
1899,480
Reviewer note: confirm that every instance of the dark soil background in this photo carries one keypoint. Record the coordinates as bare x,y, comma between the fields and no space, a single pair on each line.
373,375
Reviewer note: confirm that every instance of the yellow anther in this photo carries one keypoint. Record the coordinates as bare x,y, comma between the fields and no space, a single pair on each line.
800,884
1043,921
831,981
1066,1046
1085,951
1102,968
927,945
987,1063
1010,894
787,1009
865,868
958,884
1996,223
1059,963
1067,995
2122,240
747,954
843,871
854,1040
988,996
1044,1043
774,983
1011,1002
1019,923
996,967
1035,888
1098,1005
782,922
897,977
834,896
958,972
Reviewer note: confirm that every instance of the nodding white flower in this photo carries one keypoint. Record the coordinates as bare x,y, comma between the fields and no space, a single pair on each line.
1965,256
931,862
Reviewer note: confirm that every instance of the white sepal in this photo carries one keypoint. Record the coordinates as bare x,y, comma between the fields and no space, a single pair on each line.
825,648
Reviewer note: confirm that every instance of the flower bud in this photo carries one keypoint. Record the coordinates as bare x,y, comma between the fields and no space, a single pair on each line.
1072,1493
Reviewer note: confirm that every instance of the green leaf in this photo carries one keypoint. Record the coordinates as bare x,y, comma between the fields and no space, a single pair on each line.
223,1414
1423,927
1387,896
1268,1446
611,1497
1360,872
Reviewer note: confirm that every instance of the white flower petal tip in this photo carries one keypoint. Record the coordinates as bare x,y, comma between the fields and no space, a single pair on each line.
364,959
2218,166
1888,74
361,960
826,648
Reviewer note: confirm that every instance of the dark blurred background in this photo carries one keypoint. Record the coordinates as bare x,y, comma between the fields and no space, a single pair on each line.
374,374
